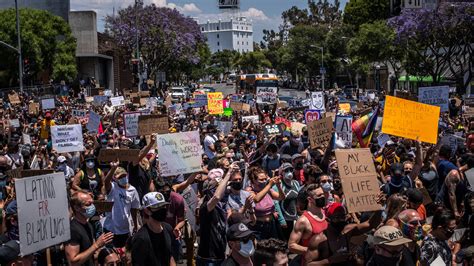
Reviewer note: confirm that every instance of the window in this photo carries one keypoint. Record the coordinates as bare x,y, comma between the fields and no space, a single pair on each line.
217,27
217,36
246,28
247,43
202,29
238,43
218,44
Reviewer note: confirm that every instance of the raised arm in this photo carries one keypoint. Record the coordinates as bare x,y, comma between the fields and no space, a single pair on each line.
146,149
219,194
108,177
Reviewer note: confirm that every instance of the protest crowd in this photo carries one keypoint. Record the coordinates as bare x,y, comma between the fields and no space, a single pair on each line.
133,178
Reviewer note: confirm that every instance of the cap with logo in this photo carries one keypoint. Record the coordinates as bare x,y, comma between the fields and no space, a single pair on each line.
390,236
61,159
119,172
238,231
154,200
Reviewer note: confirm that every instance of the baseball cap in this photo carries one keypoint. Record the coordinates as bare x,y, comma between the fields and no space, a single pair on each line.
154,200
390,236
334,208
61,159
396,168
47,115
119,172
216,174
285,158
296,156
9,251
238,231
285,166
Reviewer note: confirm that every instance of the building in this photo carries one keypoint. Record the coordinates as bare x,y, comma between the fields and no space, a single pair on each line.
57,7
234,34
426,4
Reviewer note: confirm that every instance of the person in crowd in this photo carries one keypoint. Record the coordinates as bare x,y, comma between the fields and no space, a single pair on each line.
444,165
140,170
209,141
108,256
271,252
152,244
271,161
89,178
46,125
288,206
452,193
66,169
389,244
241,241
292,146
399,182
415,201
240,200
411,224
395,204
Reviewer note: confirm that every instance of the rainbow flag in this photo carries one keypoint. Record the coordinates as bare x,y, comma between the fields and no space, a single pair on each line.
363,128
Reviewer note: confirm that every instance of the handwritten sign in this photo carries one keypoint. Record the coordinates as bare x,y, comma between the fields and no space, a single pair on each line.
215,103
359,179
191,202
317,100
93,123
320,132
179,153
33,108
15,123
408,119
100,99
124,155
67,138
238,106
130,121
43,216
282,120
438,96
224,126
345,108
267,94
251,118
382,139
47,104
26,138
79,113
297,127
117,101
200,100
269,130
14,98
343,132
151,124
312,115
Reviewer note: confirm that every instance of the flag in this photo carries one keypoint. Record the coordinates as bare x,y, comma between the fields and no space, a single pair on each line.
363,128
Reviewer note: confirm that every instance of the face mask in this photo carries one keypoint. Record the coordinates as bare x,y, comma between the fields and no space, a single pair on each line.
247,249
288,176
413,232
327,187
166,195
236,185
299,165
386,261
90,164
339,226
407,172
261,185
89,211
320,202
122,181
159,215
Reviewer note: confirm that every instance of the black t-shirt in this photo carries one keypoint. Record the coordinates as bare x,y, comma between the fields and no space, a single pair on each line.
149,248
213,241
139,179
82,235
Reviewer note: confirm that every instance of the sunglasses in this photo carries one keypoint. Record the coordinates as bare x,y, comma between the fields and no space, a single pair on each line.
288,170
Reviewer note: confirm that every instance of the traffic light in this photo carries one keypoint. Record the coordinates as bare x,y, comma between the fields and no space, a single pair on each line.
26,67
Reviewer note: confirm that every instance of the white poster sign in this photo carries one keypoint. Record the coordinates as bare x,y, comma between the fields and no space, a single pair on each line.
43,212
26,138
94,122
267,94
67,138
108,93
438,96
224,126
251,118
47,104
130,121
317,100
191,201
15,123
117,101
179,153
343,132
382,139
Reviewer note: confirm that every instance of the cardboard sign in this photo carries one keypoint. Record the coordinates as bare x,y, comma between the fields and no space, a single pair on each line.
35,172
130,124
312,115
33,108
179,153
43,215
67,138
438,96
215,103
345,108
270,130
47,104
317,100
251,118
14,98
123,155
117,101
286,122
359,179
151,124
297,127
320,132
93,123
79,113
267,94
238,106
408,119
343,132
14,173
224,126
332,115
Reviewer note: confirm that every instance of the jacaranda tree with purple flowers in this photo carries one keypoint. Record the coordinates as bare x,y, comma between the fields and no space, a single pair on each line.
168,40
437,41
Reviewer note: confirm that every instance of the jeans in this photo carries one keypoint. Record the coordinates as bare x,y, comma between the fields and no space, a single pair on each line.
207,262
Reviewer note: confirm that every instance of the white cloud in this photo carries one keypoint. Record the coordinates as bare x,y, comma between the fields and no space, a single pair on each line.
186,8
255,14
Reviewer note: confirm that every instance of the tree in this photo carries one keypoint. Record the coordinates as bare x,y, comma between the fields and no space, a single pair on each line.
48,45
358,12
253,62
168,40
226,59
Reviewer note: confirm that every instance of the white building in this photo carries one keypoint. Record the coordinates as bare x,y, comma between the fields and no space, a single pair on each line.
414,4
234,34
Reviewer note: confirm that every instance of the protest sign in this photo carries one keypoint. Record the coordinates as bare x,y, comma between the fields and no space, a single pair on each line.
452,141
43,212
332,115
14,98
317,100
251,118
108,93
200,100
179,153
191,200
215,103
343,132
282,120
224,126
269,130
35,172
151,124
320,132
14,173
305,102
26,138
382,139
297,127
409,119
378,123
33,108
14,123
47,104
123,155
345,108
438,96
67,138
228,112
100,99
238,106
267,94
359,179
117,101
312,115
94,122
79,113
130,124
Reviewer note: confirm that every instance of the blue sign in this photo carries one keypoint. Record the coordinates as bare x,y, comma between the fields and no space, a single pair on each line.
200,100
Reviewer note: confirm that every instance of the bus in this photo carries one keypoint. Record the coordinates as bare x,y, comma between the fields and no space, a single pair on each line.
247,84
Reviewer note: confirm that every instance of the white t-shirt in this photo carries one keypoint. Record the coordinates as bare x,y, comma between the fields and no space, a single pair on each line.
118,221
208,141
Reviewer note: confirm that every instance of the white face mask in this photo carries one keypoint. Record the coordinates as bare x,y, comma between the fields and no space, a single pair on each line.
247,249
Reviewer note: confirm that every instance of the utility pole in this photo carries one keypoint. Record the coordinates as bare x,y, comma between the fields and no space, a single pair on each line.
137,3
20,58
323,70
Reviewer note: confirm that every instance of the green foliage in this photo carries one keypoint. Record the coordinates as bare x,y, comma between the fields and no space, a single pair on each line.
225,59
253,62
358,12
47,44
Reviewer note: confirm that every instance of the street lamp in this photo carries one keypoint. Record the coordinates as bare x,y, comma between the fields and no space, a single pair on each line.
137,3
322,70
377,78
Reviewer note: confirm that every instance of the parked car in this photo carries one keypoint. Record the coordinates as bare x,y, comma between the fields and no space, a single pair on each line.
178,93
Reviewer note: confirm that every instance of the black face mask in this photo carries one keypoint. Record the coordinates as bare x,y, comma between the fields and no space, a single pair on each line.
159,215
386,261
299,165
236,185
339,226
320,202
166,195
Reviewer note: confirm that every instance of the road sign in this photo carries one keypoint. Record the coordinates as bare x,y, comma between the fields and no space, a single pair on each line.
322,70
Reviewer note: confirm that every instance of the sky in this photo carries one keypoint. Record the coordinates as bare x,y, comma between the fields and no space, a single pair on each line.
265,14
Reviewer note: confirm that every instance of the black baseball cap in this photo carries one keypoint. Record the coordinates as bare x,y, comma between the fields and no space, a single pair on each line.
414,195
238,231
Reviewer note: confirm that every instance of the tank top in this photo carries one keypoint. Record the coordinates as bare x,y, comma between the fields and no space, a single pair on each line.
265,206
317,227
